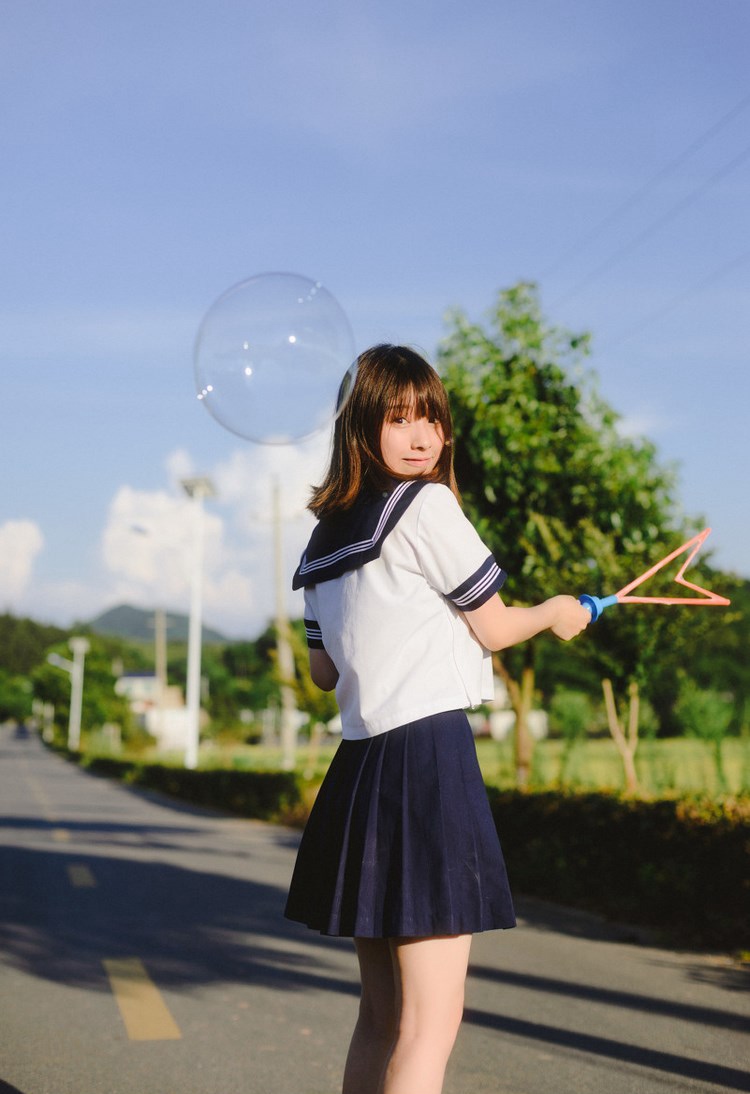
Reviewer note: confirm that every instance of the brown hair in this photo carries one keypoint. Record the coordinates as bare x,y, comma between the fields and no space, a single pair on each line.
387,378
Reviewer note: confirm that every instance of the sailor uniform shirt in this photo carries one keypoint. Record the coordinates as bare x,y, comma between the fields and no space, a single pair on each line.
386,583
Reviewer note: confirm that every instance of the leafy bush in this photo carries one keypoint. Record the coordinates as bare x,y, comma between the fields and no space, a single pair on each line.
679,866
706,714
676,865
266,795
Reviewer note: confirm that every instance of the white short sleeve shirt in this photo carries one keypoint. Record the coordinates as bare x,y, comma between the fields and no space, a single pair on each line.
393,626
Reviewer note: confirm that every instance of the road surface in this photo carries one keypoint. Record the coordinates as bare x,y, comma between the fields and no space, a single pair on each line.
143,951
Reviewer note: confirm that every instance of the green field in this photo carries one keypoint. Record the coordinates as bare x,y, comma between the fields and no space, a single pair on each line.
677,766
665,767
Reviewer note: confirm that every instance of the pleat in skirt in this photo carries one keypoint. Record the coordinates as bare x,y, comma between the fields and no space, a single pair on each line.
401,841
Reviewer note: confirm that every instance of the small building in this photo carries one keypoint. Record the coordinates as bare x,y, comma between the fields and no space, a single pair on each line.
160,710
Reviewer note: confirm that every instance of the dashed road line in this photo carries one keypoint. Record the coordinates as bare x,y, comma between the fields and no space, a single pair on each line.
59,835
144,1012
80,876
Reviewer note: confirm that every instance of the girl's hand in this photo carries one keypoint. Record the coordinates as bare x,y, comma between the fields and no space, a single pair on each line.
570,617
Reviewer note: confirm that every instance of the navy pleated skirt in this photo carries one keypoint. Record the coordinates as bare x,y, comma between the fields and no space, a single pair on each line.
401,841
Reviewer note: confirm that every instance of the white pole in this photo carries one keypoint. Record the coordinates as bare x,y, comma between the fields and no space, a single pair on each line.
160,665
193,696
283,645
197,489
80,648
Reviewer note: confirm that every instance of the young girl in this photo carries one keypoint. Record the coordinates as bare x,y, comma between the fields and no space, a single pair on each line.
401,610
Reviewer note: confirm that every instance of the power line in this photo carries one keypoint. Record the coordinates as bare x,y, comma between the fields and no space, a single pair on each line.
676,301
648,186
655,225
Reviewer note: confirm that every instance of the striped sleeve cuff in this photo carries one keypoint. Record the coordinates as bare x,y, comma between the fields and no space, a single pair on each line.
314,635
478,588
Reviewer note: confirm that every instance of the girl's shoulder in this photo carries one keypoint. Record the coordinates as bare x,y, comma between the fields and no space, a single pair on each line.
436,514
436,493
435,497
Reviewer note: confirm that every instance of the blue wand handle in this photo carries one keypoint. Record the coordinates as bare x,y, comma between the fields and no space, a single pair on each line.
597,604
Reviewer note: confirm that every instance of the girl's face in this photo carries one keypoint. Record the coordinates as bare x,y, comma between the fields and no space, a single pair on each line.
410,445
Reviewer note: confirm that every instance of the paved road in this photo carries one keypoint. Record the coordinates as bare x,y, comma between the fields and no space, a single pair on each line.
143,951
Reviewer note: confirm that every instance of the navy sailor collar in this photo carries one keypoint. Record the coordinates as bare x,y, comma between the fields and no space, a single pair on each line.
348,539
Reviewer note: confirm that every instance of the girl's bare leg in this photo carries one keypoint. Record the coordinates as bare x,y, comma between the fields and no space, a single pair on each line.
375,1030
431,974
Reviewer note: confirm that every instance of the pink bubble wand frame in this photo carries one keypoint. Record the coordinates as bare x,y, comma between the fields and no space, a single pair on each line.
596,604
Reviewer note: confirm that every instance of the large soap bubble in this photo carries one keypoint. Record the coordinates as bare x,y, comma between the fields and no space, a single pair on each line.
270,356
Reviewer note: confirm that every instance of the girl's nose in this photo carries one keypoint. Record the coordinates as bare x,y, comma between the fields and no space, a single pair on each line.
420,437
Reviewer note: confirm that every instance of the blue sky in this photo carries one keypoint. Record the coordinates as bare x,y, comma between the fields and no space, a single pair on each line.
412,157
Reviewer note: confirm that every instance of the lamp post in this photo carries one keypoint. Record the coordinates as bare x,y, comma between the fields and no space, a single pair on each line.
288,728
74,668
197,490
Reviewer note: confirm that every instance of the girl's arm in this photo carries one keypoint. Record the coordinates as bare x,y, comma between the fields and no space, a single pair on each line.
324,673
498,626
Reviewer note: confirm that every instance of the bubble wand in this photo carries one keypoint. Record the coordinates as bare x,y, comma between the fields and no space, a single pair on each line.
596,604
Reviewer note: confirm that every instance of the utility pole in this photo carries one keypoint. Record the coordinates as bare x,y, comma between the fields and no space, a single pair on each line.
288,728
197,489
160,663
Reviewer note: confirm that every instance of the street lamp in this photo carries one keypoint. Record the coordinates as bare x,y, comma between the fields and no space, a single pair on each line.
197,490
289,714
80,647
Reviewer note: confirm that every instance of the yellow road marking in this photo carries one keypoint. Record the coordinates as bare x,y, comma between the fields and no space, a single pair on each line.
144,1012
42,800
80,876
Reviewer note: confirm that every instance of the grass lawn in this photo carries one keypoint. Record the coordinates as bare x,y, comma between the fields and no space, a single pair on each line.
665,767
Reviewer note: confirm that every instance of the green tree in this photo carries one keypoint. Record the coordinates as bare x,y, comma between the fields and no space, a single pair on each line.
706,714
321,706
570,715
24,643
566,503
100,702
240,676
15,697
719,648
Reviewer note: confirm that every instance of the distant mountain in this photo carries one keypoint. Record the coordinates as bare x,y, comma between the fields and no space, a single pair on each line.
125,621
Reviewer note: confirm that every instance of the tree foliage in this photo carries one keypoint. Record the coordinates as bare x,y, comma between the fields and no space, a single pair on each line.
15,697
240,677
100,704
24,643
560,495
563,499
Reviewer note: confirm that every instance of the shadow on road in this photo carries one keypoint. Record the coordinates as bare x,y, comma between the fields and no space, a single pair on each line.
729,1078
645,1004
192,927
200,924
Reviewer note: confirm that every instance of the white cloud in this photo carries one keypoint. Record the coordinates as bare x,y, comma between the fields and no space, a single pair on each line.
20,543
179,465
644,422
147,546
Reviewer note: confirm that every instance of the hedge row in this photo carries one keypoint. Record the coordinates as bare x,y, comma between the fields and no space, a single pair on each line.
266,795
677,866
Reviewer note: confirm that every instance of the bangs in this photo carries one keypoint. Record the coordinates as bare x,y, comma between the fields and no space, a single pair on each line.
422,396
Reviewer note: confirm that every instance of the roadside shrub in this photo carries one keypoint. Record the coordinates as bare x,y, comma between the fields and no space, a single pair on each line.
676,865
266,795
